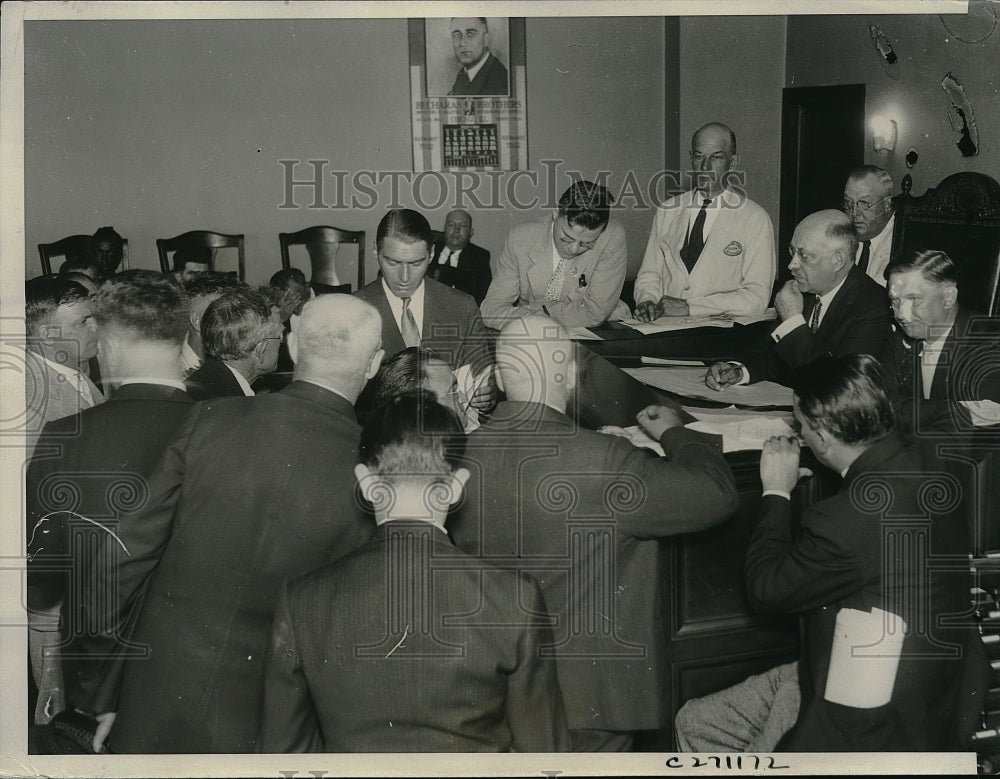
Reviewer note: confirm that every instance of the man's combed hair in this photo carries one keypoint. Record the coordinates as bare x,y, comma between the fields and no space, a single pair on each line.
234,323
933,265
883,176
412,435
285,277
211,283
586,204
845,396
151,305
404,372
404,224
844,232
43,295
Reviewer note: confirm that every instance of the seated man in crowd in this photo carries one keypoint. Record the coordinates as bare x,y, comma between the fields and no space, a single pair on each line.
365,655
458,262
946,377
418,311
240,339
61,336
711,250
106,453
843,564
202,289
868,202
189,261
414,368
107,248
828,307
250,492
532,468
570,267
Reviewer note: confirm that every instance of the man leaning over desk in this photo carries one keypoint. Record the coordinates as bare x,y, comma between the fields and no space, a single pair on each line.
711,250
828,307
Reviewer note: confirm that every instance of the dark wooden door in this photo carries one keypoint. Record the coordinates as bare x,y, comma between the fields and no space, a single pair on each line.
822,140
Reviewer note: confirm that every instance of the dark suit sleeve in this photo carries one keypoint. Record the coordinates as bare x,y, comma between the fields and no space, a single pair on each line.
288,719
864,332
483,275
535,712
692,488
794,575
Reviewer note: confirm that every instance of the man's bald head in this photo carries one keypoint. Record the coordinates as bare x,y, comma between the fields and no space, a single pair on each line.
715,130
338,342
535,362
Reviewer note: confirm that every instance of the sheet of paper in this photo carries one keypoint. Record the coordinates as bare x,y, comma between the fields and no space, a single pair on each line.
636,435
733,414
582,334
667,361
984,413
670,323
866,645
690,383
749,432
468,383
768,315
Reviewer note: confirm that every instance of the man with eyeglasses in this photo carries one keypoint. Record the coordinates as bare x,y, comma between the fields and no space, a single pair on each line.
868,202
481,72
828,307
570,267
241,339
711,249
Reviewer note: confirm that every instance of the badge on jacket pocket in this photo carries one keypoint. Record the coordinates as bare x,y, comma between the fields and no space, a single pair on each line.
734,249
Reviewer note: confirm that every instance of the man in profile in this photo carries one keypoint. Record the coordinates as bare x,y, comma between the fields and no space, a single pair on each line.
711,249
250,492
241,339
856,567
828,307
368,654
570,266
868,202
458,262
202,289
481,72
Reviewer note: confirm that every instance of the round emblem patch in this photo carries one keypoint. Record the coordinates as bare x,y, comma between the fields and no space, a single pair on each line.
735,248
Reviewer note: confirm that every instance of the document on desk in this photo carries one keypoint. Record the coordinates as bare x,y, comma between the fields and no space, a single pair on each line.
583,334
668,324
690,383
742,432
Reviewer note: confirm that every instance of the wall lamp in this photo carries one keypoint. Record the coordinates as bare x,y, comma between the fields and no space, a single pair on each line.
884,133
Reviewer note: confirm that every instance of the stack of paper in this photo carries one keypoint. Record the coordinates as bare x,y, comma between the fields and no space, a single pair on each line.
690,383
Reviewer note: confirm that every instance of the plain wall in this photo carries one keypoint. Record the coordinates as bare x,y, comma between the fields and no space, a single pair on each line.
839,50
733,69
158,127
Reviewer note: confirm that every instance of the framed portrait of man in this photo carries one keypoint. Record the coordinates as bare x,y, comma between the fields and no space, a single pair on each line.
468,56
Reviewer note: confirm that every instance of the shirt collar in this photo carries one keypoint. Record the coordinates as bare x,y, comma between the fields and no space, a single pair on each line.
241,380
826,299
327,387
189,357
73,374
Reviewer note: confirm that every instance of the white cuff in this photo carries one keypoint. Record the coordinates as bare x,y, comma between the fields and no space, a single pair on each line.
787,326
779,493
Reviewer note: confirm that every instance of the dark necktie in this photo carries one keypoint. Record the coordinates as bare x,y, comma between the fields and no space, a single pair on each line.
814,317
696,239
866,251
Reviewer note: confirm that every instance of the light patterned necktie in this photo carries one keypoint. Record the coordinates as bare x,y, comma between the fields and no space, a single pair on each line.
408,325
554,291
814,317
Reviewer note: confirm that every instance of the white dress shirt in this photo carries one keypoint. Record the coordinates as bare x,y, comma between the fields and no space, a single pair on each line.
73,377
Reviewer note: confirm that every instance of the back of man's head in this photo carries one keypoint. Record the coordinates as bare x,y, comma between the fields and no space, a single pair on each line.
403,224
412,436
336,342
405,371
234,323
535,362
586,204
845,396
43,295
287,277
143,306
842,234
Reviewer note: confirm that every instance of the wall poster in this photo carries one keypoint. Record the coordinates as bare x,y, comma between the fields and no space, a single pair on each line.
467,94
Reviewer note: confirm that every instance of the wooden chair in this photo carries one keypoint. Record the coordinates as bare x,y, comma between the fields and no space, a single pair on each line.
322,243
960,216
72,245
206,239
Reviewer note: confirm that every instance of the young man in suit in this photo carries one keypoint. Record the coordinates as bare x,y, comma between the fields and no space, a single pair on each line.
104,457
570,267
828,307
458,262
711,249
418,311
241,340
250,492
408,644
853,566
587,510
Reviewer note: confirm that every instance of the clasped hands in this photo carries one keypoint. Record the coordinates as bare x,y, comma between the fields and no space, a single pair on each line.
648,311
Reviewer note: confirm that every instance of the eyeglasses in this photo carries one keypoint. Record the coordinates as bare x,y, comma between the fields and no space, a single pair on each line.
859,206
282,338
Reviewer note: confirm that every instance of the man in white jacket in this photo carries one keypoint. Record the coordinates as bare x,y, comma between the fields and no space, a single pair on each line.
711,249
